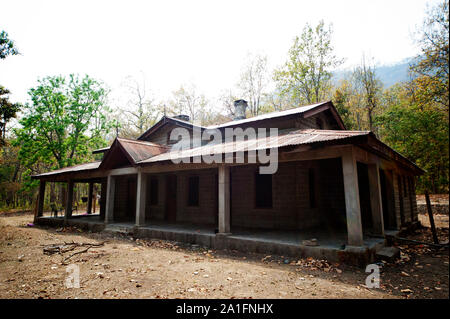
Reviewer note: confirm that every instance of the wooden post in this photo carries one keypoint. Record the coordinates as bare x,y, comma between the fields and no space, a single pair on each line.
89,203
352,206
102,203
69,200
40,201
430,215
224,199
94,200
376,204
110,192
141,192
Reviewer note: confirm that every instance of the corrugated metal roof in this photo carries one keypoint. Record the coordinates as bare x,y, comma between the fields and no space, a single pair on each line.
298,137
141,150
146,152
76,168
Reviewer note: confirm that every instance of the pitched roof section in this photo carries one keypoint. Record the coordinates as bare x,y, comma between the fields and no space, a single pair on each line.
305,111
167,120
129,152
75,168
141,150
299,137
125,152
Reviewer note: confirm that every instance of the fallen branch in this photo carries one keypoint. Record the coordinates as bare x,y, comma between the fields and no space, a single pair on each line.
66,247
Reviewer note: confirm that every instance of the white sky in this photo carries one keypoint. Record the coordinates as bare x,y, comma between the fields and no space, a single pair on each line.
181,42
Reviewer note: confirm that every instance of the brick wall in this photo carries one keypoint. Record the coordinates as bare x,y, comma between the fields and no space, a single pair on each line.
291,199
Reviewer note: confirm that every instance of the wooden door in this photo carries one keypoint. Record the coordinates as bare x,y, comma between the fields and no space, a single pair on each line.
171,198
131,198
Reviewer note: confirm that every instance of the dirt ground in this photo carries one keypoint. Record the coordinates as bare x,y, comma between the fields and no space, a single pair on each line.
441,199
127,268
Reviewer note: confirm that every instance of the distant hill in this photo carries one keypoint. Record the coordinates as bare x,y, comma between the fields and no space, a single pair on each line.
388,74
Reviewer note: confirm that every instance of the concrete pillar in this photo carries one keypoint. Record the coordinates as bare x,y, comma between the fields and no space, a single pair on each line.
224,199
376,202
69,200
41,197
110,192
352,206
141,195
89,203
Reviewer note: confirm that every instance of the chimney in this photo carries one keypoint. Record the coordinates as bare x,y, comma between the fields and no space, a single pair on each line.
182,117
240,106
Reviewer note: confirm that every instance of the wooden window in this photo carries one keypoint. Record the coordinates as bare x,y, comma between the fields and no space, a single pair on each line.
193,191
154,191
312,188
263,190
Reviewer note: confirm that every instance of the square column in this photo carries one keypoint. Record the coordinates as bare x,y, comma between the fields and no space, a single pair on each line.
141,192
40,202
352,206
376,203
89,203
224,199
110,193
69,200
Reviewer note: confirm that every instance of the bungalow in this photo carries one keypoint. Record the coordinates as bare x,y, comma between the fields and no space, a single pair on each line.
332,193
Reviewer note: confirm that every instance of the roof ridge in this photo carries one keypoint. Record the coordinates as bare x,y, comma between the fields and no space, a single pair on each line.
141,142
269,115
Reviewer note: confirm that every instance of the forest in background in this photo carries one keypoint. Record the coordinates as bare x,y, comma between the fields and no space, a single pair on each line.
67,117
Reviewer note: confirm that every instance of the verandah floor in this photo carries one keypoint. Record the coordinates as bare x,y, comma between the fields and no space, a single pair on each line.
326,240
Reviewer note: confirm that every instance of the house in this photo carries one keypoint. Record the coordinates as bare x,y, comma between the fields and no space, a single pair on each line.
333,193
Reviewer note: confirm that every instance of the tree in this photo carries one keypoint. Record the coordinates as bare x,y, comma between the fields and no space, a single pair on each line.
369,88
342,99
64,122
420,134
306,75
253,82
141,111
7,46
187,100
226,99
8,111
432,66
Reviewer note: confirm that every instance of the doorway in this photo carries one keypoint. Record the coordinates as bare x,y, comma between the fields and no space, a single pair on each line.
364,196
171,198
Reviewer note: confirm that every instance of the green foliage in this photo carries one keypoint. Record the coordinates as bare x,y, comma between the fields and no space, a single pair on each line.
433,62
420,134
8,111
341,100
306,75
64,122
7,46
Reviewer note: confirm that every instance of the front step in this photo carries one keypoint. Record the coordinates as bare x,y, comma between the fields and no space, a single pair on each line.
119,229
388,254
